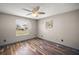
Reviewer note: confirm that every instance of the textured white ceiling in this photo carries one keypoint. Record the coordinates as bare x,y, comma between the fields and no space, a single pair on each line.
48,8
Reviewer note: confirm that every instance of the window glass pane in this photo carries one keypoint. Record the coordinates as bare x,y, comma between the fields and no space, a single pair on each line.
21,28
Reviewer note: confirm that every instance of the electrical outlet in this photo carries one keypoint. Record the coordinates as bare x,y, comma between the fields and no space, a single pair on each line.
41,35
4,40
62,40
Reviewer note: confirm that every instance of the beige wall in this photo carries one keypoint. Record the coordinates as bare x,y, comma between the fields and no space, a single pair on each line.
65,26
8,29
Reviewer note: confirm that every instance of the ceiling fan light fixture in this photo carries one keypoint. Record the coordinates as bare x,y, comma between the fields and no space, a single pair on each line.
35,14
35,11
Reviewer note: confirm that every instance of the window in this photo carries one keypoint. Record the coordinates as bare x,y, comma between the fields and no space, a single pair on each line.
21,28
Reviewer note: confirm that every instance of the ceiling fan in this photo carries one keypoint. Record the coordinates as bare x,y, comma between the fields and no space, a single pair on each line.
34,12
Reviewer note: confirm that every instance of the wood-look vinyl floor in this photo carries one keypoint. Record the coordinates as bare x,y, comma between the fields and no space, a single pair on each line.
37,47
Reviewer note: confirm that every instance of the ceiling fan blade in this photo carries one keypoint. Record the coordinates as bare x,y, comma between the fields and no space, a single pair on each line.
29,13
27,10
41,12
36,9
